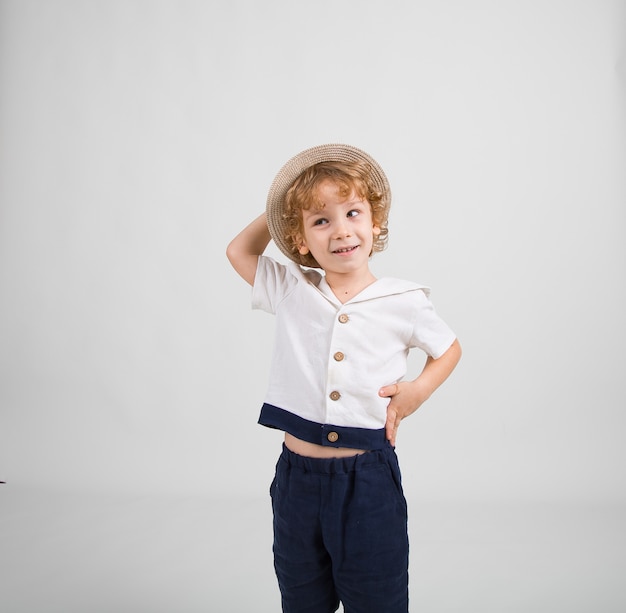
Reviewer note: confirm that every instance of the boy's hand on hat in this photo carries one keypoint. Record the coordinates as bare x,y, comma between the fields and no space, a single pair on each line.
406,398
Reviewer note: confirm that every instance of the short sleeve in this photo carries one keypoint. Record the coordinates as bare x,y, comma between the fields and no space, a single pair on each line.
272,282
430,332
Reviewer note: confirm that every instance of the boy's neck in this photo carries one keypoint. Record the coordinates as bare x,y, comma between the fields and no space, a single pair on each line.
347,285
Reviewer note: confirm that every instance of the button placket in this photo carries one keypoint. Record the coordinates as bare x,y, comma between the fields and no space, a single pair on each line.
334,394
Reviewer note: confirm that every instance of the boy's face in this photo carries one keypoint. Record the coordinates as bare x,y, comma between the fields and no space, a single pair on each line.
341,234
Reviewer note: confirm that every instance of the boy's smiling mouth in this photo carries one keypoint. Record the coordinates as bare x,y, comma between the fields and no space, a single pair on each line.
346,249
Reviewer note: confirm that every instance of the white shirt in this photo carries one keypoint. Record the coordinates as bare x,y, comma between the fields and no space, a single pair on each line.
330,359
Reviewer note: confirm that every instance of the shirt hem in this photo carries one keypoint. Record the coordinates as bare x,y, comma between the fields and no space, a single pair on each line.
326,435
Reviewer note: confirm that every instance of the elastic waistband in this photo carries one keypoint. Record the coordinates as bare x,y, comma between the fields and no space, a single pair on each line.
331,466
326,435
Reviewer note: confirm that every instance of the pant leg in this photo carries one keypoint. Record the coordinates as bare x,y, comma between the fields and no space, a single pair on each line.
303,566
366,534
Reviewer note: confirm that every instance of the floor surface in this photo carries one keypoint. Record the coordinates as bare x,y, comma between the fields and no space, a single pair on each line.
96,553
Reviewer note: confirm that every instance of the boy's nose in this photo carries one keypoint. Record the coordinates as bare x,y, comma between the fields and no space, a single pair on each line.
341,231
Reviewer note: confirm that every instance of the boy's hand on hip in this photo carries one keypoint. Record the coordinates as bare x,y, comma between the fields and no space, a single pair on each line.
406,398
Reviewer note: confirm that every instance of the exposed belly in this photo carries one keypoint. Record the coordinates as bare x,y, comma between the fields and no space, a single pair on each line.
311,450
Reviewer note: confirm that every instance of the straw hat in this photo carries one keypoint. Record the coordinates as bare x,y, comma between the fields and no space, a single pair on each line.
295,167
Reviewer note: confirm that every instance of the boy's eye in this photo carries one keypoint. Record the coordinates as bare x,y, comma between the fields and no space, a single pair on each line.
353,213
320,221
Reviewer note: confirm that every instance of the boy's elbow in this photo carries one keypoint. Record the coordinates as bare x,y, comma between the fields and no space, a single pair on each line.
232,252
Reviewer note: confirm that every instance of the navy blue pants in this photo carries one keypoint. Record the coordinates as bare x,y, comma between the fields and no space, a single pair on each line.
340,533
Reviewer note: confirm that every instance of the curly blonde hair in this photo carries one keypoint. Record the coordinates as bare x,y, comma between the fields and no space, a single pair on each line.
348,177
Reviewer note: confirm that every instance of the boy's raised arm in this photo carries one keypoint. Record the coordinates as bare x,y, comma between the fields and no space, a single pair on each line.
244,250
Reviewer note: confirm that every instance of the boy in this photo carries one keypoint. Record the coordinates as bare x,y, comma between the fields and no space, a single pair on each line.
336,388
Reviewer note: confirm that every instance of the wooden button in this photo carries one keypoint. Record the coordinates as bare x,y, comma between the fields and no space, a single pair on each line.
343,318
339,356
335,395
333,437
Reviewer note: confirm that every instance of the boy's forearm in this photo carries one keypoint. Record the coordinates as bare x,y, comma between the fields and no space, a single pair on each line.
254,238
436,371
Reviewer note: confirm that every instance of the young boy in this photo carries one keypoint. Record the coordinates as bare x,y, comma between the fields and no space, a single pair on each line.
336,388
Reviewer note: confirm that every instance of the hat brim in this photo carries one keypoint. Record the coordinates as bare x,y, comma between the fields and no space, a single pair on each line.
294,168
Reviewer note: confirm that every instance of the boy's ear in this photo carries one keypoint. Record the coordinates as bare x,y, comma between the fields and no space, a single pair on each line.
376,230
302,248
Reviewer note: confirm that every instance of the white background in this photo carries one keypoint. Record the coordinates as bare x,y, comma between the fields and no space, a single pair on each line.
137,138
